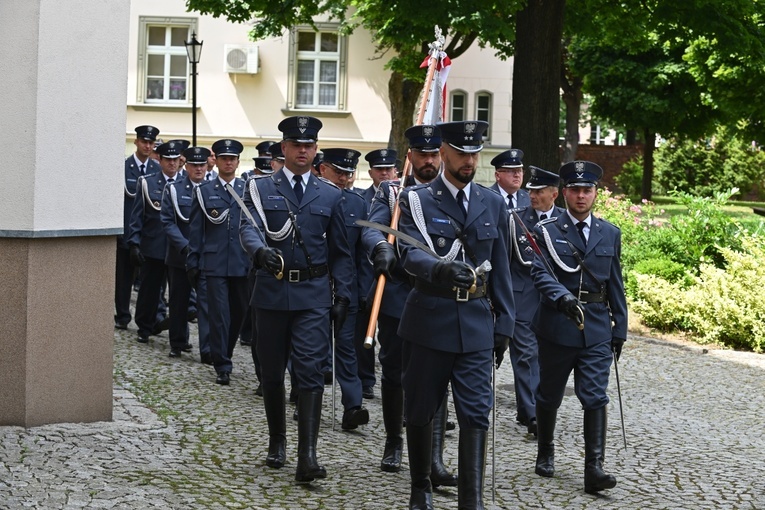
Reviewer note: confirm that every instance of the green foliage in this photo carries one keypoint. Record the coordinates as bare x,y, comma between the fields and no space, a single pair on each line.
631,177
721,306
705,167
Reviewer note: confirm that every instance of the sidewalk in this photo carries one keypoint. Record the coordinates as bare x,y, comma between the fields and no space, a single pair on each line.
694,420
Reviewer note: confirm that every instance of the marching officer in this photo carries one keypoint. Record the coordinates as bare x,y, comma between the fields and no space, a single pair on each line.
215,252
508,171
176,208
300,241
336,167
451,332
425,159
543,190
147,239
136,165
277,157
581,322
382,167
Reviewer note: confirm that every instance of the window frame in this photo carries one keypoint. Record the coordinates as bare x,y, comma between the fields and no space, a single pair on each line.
144,22
341,95
464,108
490,96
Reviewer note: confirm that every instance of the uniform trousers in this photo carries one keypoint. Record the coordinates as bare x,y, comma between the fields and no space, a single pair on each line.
591,366
153,275
180,296
123,286
365,358
226,306
525,361
301,336
427,372
391,350
203,314
346,371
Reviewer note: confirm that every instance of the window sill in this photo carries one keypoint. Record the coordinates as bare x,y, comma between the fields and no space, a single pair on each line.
315,112
158,107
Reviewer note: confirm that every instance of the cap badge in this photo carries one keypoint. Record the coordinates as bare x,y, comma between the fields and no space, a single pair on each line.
470,128
580,175
171,145
579,166
228,143
349,155
197,150
302,122
427,131
383,152
514,154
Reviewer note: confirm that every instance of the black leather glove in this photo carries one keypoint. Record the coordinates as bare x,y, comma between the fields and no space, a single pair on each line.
455,273
501,344
569,305
384,259
269,259
136,257
616,347
193,276
186,250
339,311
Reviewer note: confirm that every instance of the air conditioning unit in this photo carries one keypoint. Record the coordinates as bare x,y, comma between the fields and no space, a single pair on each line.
240,58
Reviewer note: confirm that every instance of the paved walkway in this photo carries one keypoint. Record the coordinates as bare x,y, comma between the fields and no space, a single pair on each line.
695,426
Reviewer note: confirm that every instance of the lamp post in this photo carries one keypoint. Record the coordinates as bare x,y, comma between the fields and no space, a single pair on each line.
194,51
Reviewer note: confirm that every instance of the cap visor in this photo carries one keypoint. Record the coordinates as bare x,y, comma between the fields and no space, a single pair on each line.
428,148
580,185
536,186
467,149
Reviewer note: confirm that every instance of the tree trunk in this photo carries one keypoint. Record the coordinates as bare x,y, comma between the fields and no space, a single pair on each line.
648,148
572,98
403,94
536,83
631,137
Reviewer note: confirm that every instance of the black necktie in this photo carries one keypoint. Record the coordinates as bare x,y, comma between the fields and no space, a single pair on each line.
170,180
543,217
512,201
143,169
581,226
298,187
461,202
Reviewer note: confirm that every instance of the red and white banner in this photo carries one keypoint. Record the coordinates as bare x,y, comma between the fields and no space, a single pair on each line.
434,111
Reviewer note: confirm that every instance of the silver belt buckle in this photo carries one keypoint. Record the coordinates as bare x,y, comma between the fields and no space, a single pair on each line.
462,295
293,275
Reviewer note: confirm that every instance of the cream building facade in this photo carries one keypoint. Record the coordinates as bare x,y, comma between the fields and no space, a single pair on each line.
245,88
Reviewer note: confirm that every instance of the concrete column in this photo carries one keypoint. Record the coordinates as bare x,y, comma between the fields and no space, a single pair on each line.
63,69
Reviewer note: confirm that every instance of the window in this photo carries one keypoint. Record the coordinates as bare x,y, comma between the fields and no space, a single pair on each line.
483,110
163,67
457,106
317,69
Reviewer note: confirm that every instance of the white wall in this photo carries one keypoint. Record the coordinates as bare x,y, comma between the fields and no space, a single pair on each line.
62,109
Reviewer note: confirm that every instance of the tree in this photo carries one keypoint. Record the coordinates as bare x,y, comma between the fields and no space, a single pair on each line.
674,68
404,27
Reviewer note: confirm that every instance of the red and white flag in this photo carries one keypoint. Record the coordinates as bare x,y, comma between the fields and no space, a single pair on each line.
434,111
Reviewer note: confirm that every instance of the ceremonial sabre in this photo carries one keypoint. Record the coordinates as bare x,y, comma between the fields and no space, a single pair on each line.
246,212
534,246
374,312
621,406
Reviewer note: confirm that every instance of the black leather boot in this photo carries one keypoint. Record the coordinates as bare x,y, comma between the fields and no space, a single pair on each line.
393,418
545,442
472,462
595,479
273,401
418,442
439,475
309,417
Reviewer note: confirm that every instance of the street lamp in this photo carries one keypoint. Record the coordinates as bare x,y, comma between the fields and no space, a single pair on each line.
194,51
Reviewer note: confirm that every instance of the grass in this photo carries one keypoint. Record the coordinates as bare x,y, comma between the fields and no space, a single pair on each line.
740,211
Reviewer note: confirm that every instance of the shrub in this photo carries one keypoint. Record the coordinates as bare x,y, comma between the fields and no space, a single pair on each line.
630,179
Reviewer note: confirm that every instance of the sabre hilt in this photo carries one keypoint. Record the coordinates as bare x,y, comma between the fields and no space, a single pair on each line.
280,274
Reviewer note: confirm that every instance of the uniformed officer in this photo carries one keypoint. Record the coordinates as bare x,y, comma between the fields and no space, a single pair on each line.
263,147
176,208
580,282
425,159
215,251
147,239
182,159
508,171
299,242
136,165
277,157
212,171
337,166
262,167
451,331
382,167
543,190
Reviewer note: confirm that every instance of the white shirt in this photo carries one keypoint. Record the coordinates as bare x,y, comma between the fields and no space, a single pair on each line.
453,190
587,222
